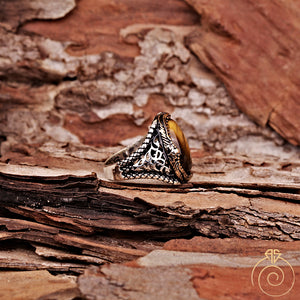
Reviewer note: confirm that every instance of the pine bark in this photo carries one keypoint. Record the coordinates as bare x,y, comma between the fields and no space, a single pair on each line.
81,80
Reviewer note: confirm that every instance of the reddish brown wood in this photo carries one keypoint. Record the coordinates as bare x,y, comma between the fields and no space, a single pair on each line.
251,46
101,21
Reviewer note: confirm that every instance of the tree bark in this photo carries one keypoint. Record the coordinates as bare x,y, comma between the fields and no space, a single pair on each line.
72,95
87,205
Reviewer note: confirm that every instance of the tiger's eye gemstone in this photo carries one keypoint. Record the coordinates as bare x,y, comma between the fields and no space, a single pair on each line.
163,155
180,141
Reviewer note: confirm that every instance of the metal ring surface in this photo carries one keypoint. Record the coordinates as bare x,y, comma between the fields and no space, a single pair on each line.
162,155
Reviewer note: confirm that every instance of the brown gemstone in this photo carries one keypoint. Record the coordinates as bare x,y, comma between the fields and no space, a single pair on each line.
180,141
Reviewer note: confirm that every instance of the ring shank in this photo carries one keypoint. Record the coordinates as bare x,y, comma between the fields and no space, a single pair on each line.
111,170
122,154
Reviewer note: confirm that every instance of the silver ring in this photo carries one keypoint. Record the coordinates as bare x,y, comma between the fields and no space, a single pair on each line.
163,155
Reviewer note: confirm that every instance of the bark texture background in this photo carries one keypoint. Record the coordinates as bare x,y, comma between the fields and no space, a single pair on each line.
52,95
82,79
264,81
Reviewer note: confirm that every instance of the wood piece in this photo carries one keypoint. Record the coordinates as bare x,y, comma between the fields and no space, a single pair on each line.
229,282
253,52
65,256
35,284
19,257
109,250
119,282
169,258
80,99
113,249
101,22
84,220
17,224
267,211
192,261
242,247
14,13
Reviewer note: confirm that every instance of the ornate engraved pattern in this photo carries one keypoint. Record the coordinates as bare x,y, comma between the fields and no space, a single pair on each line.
155,157
149,161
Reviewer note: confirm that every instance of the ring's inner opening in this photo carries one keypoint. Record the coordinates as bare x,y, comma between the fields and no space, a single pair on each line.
180,141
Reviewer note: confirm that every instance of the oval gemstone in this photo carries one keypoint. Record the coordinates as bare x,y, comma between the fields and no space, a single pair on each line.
180,141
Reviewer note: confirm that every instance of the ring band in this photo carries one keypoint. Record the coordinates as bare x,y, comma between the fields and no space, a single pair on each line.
162,155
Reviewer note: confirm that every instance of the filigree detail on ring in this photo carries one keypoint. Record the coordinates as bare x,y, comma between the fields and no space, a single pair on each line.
163,154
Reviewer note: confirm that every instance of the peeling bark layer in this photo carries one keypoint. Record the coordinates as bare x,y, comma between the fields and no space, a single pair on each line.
193,273
15,12
36,285
209,209
182,268
102,100
94,26
251,47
